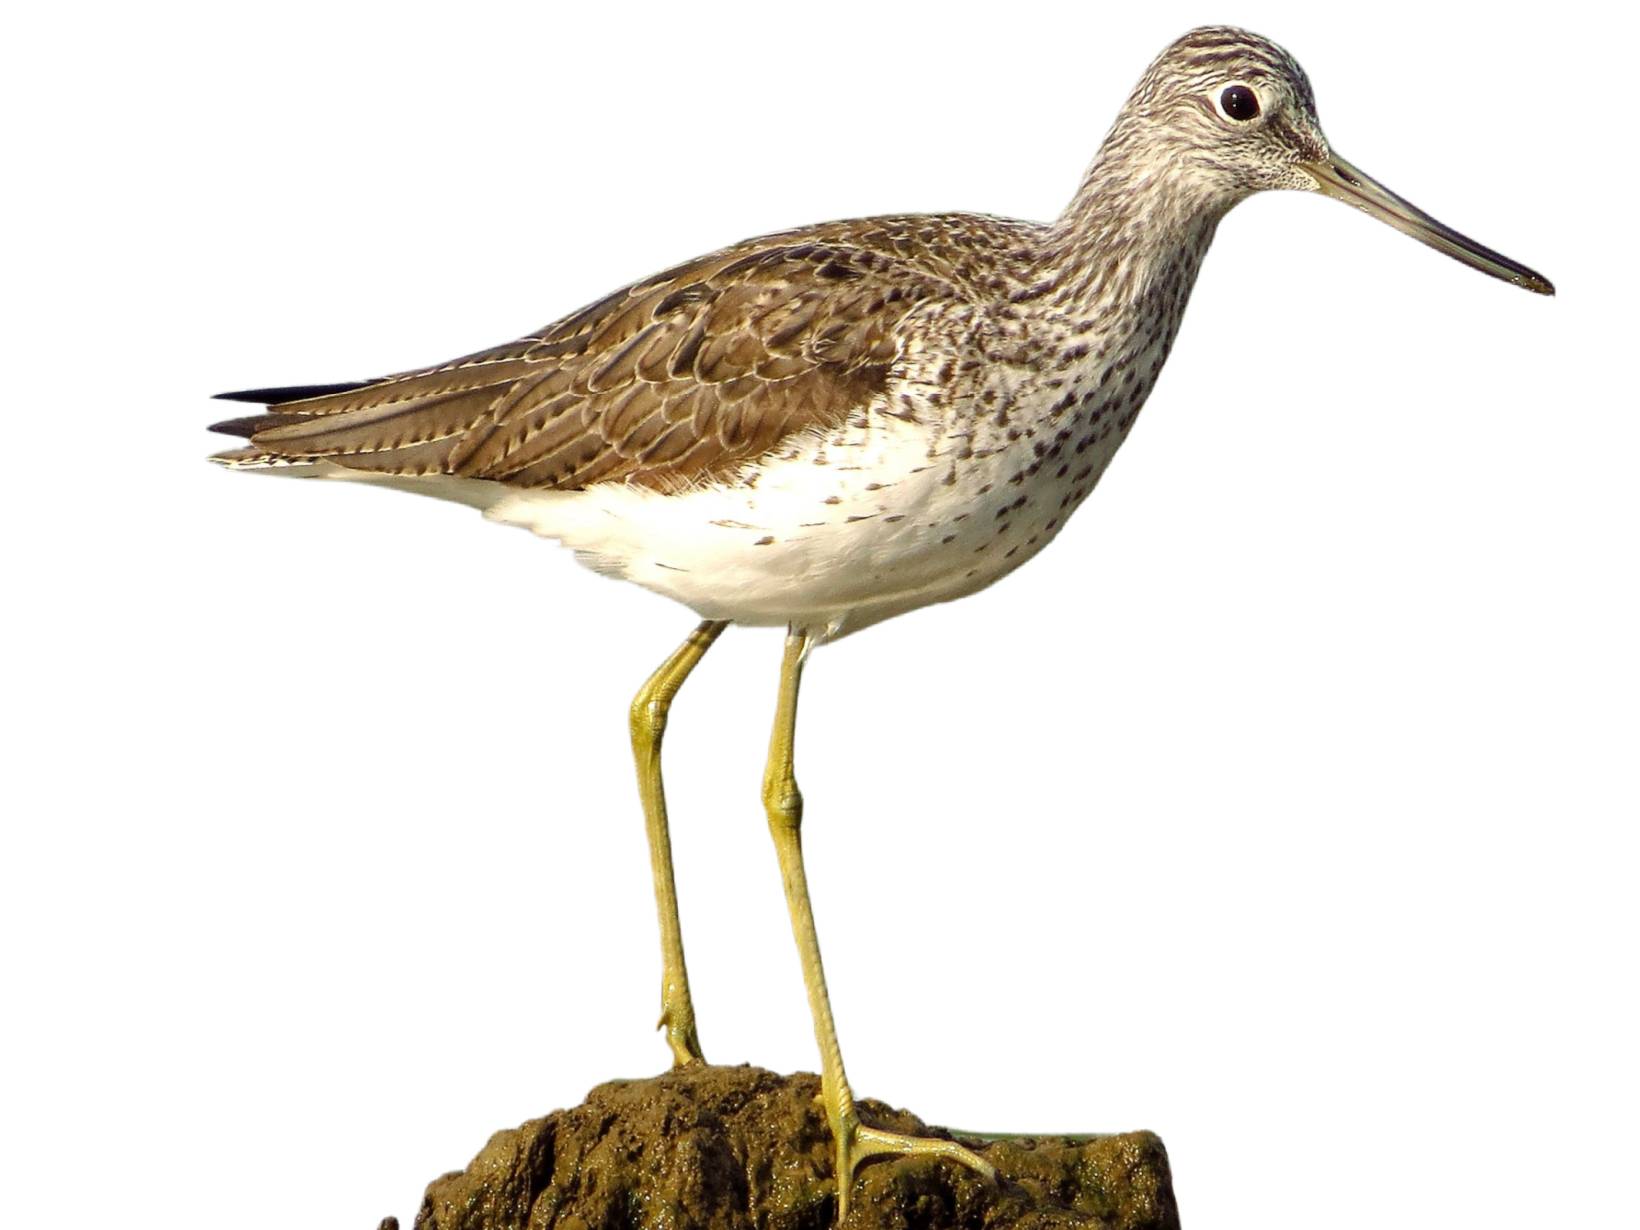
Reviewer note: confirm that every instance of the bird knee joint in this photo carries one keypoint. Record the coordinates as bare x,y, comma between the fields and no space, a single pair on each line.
648,715
784,803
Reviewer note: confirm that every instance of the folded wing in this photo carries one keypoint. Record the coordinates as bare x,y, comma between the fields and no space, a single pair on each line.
675,380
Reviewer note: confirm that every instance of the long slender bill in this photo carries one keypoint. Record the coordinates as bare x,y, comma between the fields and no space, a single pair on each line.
1338,179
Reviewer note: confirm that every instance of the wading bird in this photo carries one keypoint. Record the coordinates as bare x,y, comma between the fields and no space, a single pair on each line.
826,427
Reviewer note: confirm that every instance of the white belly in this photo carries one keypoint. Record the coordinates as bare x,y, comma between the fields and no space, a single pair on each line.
836,534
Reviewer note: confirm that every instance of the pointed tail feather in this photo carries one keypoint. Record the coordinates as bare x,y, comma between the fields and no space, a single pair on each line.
253,458
291,392
248,425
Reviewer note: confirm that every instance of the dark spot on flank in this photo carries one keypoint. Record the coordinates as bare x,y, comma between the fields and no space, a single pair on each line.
764,541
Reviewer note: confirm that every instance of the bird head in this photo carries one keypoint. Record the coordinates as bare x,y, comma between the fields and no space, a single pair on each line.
1223,113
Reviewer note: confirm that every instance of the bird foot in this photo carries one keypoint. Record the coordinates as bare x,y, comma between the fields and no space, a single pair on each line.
856,1143
679,1023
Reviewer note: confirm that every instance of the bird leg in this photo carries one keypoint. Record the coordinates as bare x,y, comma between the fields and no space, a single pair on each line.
784,804
648,718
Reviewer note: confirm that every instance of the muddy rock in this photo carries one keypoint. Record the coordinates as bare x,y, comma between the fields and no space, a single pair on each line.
712,1148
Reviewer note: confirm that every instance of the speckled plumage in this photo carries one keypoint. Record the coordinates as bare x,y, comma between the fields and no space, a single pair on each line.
825,426
828,427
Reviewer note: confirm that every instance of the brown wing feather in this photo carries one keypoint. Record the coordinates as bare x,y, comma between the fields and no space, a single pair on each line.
677,379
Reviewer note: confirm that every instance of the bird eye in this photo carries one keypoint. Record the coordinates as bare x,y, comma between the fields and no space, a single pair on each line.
1239,102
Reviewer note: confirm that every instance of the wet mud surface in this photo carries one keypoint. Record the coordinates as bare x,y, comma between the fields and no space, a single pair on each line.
715,1148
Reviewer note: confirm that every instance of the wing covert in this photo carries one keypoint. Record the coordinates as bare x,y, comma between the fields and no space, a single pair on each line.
671,381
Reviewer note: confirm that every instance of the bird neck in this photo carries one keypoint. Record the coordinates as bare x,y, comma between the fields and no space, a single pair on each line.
1137,226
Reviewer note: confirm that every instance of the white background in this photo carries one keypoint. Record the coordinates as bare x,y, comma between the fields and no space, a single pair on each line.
1286,806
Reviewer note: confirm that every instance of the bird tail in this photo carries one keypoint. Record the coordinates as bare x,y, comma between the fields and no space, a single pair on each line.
250,457
288,408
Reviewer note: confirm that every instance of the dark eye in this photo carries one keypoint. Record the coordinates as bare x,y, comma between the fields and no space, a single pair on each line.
1239,102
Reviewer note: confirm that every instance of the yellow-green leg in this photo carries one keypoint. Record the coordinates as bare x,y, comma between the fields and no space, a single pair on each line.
649,709
784,805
